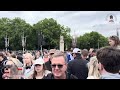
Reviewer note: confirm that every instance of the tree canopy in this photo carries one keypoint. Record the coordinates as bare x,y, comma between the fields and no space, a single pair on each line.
91,40
45,32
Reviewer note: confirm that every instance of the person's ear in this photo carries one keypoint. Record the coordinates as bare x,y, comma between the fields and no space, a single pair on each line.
100,66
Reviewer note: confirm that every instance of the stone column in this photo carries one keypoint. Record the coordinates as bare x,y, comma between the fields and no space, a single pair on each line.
61,43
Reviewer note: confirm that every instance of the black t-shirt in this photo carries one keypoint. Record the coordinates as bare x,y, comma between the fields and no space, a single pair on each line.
48,65
69,76
78,67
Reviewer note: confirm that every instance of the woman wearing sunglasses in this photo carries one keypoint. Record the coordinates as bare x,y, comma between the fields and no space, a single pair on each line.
12,69
39,70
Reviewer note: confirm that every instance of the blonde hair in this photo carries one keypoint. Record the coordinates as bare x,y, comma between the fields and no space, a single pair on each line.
93,68
30,56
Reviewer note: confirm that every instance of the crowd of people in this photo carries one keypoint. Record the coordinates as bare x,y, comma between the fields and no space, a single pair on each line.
103,63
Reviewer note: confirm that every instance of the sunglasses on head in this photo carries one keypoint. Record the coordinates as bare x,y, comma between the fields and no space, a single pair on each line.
58,65
51,53
37,64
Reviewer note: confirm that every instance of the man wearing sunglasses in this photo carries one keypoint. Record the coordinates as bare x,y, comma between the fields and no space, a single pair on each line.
59,67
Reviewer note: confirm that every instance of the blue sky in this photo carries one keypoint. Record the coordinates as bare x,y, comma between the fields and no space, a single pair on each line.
79,21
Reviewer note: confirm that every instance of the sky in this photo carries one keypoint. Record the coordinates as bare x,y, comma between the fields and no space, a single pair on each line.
80,22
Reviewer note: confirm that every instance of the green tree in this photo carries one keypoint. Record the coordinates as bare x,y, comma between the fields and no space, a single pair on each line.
5,24
91,40
20,27
50,30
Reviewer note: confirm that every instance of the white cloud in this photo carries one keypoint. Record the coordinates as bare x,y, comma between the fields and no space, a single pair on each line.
80,21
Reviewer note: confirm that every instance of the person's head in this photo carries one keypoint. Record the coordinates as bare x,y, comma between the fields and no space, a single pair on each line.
114,41
51,53
93,68
13,68
4,53
109,60
39,65
46,55
27,58
76,52
59,65
90,50
11,71
69,50
84,54
13,55
20,58
37,54
94,52
1,56
9,53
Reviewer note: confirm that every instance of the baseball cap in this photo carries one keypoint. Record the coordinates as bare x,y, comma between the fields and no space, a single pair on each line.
39,61
76,50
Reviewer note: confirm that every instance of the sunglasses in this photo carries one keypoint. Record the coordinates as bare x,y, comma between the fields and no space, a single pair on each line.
37,65
6,67
58,65
51,53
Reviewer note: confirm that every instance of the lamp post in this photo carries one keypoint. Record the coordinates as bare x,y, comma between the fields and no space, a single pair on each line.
74,41
98,44
40,40
23,42
6,42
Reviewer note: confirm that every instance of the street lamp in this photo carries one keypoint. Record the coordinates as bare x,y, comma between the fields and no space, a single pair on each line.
98,44
6,42
74,41
40,40
23,42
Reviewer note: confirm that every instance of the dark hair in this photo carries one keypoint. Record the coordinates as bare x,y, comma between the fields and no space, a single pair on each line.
116,39
1,54
20,58
35,73
109,57
94,51
13,55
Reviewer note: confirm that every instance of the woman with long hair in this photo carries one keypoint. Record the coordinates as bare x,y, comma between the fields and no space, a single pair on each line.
93,72
39,70
13,69
114,41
